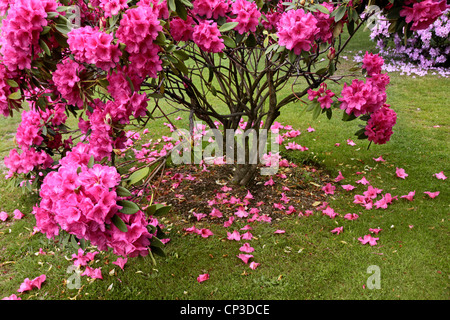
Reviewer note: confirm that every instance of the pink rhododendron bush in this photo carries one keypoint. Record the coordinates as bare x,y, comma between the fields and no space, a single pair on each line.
107,64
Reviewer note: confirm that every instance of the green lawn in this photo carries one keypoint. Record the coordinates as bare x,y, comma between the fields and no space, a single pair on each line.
308,261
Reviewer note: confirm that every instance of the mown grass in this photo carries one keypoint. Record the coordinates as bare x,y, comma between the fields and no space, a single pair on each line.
307,262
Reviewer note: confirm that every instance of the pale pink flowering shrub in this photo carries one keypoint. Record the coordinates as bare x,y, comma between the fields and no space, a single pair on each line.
323,95
379,126
66,77
20,32
211,8
297,30
247,15
207,36
182,30
89,45
422,14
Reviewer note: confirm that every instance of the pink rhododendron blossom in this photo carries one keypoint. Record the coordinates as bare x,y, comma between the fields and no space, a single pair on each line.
400,172
216,213
279,231
372,63
368,239
297,30
199,216
211,8
90,45
159,7
20,32
337,230
372,192
247,15
66,78
310,129
325,23
385,201
203,277
409,196
244,257
247,236
323,95
432,194
379,127
182,30
112,7
253,265
423,13
229,222
207,36
440,175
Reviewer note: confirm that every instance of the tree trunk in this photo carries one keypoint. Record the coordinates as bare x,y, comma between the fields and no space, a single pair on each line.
244,174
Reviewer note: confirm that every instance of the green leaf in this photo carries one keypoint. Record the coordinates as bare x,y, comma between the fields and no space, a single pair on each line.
251,41
118,222
339,13
158,209
172,5
15,96
128,207
317,111
155,242
62,28
138,175
348,117
321,8
91,162
44,47
228,26
181,10
123,192
158,251
12,83
227,41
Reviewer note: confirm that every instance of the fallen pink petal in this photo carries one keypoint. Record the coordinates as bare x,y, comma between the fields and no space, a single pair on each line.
409,196
18,214
337,230
120,262
400,172
253,265
203,277
440,175
432,194
244,257
234,235
368,239
279,231
246,248
375,230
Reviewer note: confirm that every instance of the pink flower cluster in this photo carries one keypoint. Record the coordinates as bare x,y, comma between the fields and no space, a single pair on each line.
21,30
89,45
112,7
247,15
82,201
297,30
182,30
26,161
366,97
66,78
207,36
159,7
138,30
4,91
211,8
325,23
422,14
379,127
323,96
372,63
29,130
